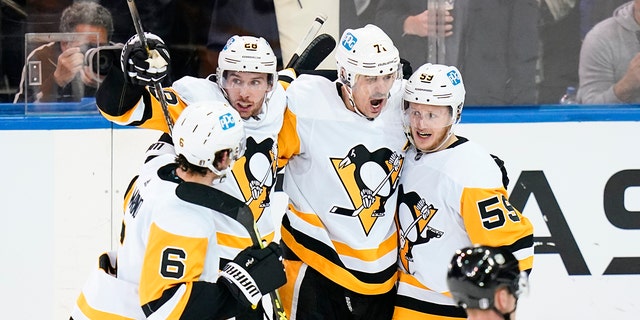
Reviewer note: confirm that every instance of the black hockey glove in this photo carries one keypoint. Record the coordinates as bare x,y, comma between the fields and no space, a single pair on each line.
254,273
138,67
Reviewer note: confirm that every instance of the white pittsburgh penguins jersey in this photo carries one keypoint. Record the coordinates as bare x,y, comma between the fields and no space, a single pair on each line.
253,175
334,157
448,200
167,240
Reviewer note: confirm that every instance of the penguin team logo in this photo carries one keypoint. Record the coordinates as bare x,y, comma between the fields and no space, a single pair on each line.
255,174
415,230
369,178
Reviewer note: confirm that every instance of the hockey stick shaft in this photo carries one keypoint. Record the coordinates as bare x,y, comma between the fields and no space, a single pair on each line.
245,217
157,86
311,33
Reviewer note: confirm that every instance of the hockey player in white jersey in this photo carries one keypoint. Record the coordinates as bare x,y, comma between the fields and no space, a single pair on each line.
342,143
174,214
246,77
451,195
487,282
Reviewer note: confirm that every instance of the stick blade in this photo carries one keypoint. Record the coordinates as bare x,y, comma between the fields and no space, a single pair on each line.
318,50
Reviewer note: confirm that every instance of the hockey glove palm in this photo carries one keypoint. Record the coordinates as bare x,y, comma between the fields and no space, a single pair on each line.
141,68
254,273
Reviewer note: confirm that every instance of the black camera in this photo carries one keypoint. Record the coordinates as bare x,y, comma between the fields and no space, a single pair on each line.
101,58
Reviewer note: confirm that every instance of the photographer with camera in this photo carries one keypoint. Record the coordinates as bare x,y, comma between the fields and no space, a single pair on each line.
65,72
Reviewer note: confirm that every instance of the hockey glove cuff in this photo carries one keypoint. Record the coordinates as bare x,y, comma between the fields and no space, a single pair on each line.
254,272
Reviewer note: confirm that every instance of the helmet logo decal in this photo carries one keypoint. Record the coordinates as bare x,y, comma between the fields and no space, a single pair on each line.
348,41
368,178
454,77
227,121
418,231
226,46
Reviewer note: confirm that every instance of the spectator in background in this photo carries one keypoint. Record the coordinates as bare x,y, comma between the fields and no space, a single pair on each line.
407,23
62,74
609,67
499,52
594,11
559,28
244,18
494,44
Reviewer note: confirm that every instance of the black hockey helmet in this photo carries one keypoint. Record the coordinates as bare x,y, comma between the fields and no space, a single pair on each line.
476,272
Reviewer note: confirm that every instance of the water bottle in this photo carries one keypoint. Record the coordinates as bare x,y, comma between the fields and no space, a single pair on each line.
569,97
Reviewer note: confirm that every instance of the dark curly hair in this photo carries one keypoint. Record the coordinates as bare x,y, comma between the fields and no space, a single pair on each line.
185,165
86,12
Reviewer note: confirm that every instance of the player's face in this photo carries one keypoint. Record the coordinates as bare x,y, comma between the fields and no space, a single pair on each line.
246,91
98,37
370,93
429,124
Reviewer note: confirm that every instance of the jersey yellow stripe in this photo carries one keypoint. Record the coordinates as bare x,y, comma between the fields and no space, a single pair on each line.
385,247
233,241
309,218
334,272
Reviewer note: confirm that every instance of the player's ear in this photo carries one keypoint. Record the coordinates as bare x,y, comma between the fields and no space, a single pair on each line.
503,300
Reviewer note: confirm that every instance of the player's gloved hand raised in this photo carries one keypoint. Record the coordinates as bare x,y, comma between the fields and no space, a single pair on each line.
141,68
254,273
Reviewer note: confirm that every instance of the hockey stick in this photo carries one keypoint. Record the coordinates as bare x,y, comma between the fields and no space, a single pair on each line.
234,209
313,30
315,53
137,23
355,212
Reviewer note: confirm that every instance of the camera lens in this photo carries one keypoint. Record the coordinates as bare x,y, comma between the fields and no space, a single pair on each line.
104,62
100,59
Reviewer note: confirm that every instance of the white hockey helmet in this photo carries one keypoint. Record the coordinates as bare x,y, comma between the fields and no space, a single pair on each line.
366,51
206,127
248,54
438,85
